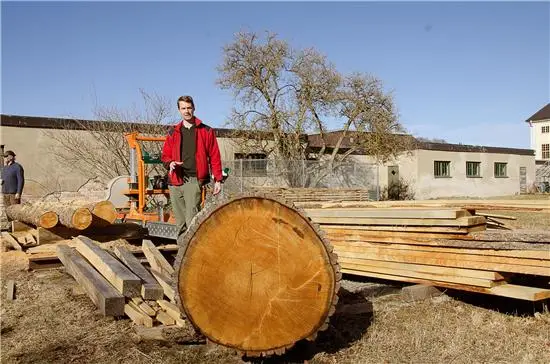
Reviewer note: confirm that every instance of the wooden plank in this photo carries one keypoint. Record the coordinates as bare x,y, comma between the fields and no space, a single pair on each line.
156,259
431,239
387,249
505,290
389,213
496,216
165,319
8,238
170,308
410,229
137,316
150,289
112,269
98,233
147,309
445,261
460,222
431,269
109,301
18,226
10,294
527,254
166,284
359,265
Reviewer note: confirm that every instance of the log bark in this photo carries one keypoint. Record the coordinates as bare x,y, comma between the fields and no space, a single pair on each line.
36,215
255,274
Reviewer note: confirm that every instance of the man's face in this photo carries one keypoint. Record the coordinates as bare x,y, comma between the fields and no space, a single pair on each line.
8,158
186,110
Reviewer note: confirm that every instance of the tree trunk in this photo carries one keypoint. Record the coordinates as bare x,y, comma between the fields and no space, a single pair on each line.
256,275
70,216
31,214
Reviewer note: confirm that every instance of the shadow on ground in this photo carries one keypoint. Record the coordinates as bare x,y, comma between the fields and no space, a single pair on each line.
344,329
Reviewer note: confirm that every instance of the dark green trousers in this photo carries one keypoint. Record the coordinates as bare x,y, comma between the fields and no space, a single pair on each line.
186,203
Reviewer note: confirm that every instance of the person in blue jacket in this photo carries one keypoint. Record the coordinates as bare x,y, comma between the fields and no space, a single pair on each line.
13,180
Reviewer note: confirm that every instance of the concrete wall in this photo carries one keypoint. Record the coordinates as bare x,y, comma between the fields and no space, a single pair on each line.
429,186
538,138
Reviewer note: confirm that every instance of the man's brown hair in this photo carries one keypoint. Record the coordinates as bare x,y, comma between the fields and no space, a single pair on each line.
186,98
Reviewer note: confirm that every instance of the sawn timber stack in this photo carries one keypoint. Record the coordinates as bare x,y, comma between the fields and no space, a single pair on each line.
254,274
444,247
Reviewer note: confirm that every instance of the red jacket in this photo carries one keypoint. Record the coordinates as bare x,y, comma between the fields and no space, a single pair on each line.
207,153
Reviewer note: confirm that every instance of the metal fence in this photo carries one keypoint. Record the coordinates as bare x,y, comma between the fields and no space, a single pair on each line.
248,174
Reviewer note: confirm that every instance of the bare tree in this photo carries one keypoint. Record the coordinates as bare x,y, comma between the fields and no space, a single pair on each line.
98,147
287,93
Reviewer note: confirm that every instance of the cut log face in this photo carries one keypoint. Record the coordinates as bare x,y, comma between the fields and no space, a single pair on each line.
256,275
35,215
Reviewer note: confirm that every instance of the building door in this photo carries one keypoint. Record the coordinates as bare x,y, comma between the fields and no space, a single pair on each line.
522,179
393,182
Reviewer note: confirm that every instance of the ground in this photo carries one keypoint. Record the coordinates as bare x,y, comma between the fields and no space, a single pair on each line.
51,321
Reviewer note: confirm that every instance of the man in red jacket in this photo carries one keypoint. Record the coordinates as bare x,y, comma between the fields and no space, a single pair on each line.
191,155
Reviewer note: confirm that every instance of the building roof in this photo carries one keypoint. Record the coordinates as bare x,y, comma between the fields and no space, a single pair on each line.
542,114
314,140
331,138
77,124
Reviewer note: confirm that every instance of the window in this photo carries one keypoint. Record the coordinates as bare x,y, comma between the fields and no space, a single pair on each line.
442,169
251,165
473,169
546,151
546,129
500,169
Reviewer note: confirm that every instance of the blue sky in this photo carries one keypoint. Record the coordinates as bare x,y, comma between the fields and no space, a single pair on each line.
466,72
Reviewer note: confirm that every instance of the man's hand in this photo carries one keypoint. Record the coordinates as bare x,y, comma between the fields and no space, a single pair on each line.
173,165
217,188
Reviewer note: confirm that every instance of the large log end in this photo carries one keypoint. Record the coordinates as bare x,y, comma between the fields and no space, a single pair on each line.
255,274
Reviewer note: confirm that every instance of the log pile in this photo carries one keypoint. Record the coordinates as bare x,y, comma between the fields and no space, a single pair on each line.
77,215
443,247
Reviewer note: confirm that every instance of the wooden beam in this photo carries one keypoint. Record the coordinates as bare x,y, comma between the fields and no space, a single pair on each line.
409,229
156,260
109,301
112,269
11,240
150,289
166,284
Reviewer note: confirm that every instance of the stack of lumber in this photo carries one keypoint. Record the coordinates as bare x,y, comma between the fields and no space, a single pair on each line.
512,205
120,285
444,247
317,194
